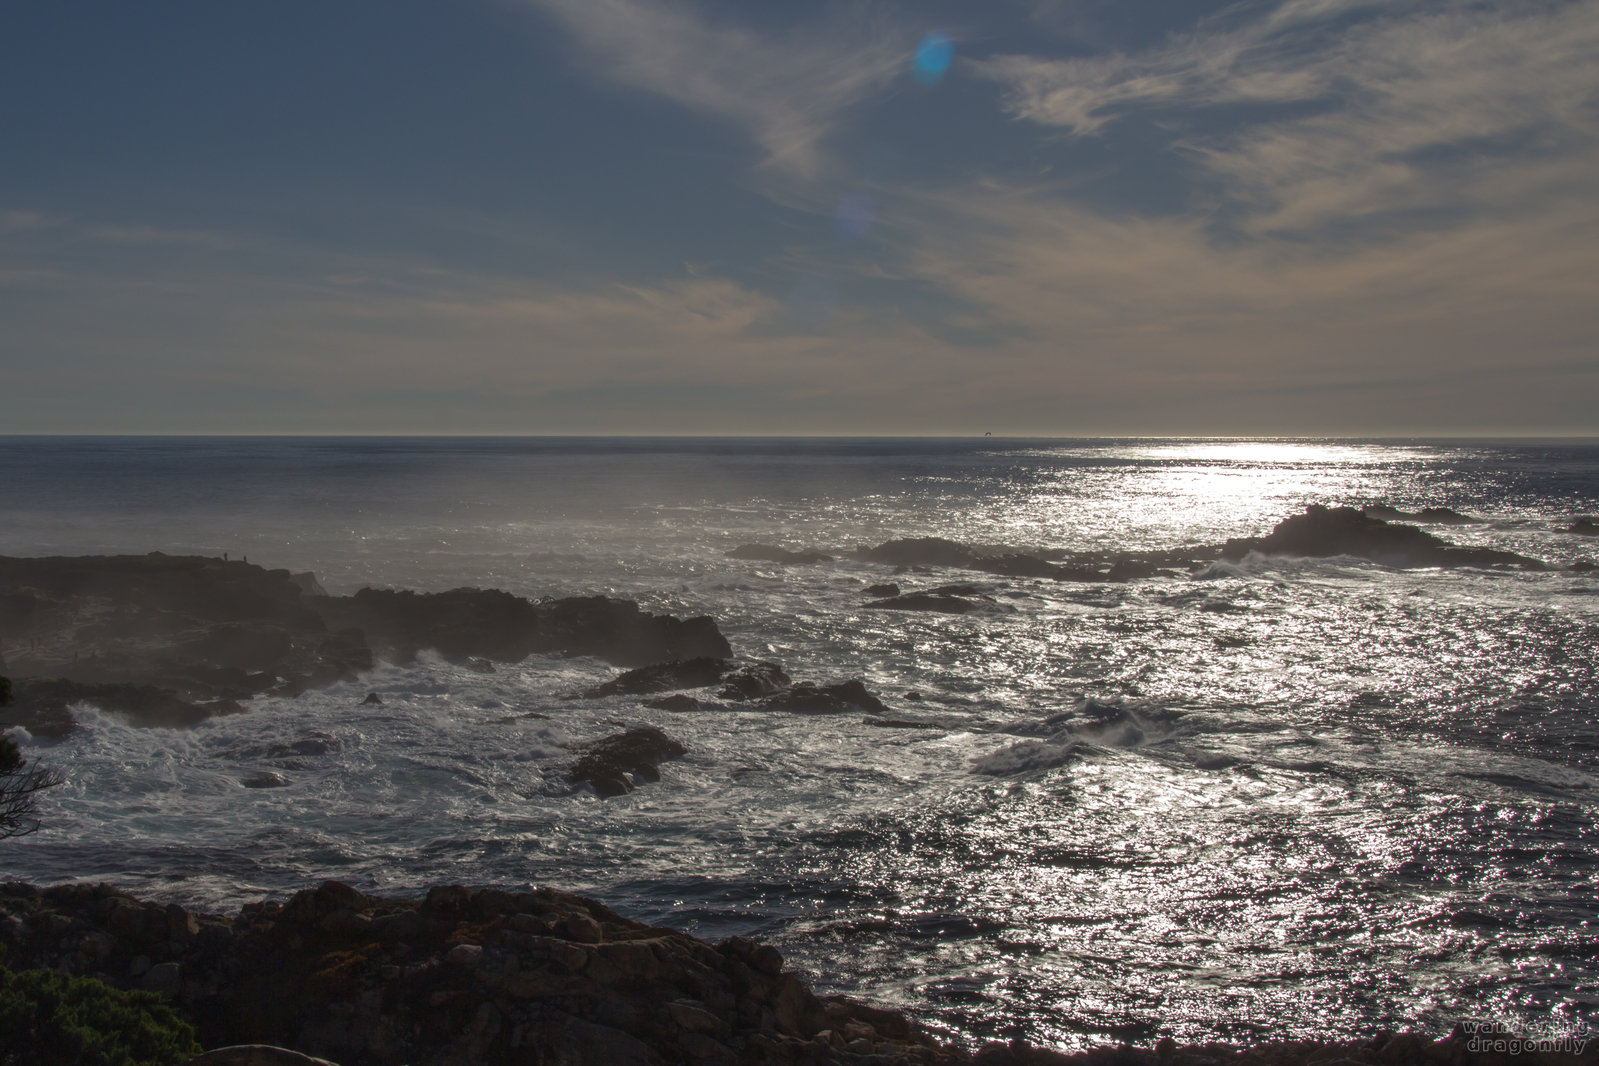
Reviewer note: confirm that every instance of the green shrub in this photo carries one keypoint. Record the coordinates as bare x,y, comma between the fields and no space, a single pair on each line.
50,1019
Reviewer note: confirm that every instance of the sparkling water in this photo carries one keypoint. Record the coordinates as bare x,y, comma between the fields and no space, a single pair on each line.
1273,799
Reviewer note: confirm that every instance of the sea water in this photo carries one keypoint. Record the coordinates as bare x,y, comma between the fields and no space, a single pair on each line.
1274,799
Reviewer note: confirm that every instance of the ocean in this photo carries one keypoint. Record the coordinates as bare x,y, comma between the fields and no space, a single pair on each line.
1263,800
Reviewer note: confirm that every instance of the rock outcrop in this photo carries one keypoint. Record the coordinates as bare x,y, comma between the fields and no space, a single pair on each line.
461,977
172,640
485,977
1328,531
614,766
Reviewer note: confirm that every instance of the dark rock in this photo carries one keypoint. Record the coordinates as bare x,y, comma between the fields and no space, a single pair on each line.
612,765
1327,531
663,677
264,779
44,706
809,698
1582,566
752,681
372,700
882,591
1585,527
496,624
172,640
675,702
1442,516
769,554
494,978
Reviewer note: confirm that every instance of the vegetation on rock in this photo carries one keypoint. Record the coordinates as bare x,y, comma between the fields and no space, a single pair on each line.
52,1019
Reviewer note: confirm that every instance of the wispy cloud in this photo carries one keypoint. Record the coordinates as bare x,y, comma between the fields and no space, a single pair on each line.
1402,106
785,92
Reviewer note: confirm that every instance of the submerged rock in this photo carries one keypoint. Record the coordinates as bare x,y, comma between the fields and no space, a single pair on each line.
612,765
1328,531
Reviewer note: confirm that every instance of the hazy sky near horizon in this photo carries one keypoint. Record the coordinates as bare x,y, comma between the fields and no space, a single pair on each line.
1030,217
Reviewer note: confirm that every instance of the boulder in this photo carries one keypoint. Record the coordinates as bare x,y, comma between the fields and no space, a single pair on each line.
613,765
1585,527
753,681
1328,531
663,677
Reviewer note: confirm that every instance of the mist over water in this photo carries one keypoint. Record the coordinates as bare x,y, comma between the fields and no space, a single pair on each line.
1276,798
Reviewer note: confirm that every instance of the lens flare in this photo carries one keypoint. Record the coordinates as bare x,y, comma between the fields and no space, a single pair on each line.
933,57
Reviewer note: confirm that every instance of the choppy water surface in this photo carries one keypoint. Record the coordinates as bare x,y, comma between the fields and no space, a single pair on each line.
1275,799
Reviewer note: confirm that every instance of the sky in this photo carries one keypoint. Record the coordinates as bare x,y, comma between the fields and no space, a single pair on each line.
1024,217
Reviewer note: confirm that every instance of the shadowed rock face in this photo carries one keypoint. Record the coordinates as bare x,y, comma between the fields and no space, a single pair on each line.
171,640
1327,531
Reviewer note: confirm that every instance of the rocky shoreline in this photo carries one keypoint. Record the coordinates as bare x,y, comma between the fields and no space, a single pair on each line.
173,640
486,977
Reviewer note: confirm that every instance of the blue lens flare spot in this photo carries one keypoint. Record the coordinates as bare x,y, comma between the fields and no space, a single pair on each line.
933,57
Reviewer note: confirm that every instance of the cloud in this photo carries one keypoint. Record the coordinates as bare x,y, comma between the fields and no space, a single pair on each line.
785,92
1457,106
1131,320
